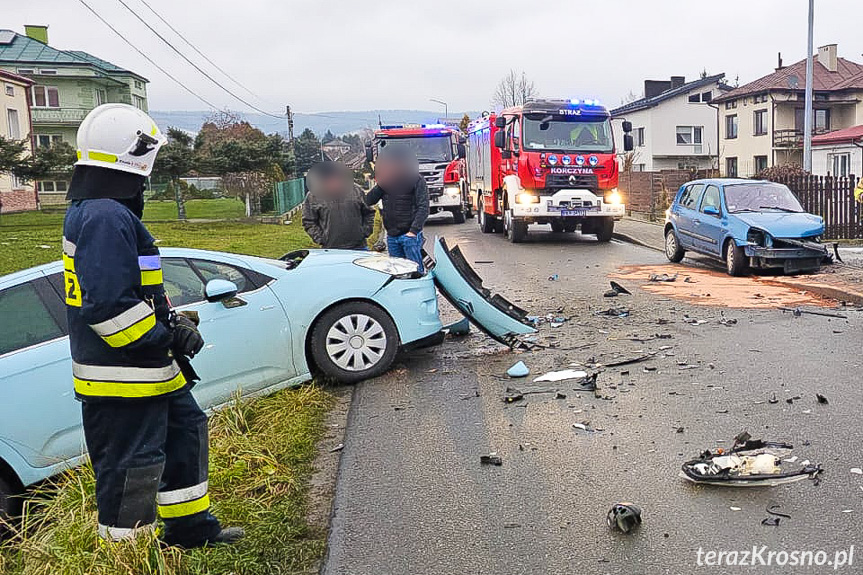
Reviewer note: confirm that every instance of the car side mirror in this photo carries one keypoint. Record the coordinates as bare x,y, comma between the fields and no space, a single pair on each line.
500,140
628,143
461,151
370,156
711,210
500,122
627,126
219,290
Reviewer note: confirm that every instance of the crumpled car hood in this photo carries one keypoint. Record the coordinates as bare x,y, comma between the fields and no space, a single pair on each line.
784,225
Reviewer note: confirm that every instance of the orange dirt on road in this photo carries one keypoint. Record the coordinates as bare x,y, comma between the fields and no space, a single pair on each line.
713,288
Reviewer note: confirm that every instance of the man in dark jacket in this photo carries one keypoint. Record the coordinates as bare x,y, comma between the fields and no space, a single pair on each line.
405,199
335,214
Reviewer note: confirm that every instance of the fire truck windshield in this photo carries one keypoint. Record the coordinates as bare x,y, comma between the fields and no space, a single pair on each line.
567,134
427,149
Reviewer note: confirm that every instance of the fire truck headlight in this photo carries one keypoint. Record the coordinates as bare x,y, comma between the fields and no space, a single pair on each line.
452,191
613,197
524,198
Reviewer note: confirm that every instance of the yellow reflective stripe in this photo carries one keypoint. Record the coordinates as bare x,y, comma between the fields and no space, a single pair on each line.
102,157
184,509
151,277
131,334
68,263
127,390
72,289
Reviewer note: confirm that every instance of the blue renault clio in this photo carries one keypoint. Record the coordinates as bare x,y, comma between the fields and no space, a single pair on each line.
747,224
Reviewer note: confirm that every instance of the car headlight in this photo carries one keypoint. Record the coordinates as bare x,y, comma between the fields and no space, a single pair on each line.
613,197
391,266
452,191
526,198
757,237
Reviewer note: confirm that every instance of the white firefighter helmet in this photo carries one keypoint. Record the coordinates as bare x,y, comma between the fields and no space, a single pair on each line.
119,137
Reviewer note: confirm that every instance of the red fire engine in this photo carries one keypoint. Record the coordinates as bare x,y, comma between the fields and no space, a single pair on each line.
440,151
546,162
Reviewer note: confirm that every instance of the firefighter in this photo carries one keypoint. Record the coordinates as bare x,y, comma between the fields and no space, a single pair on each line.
146,435
858,191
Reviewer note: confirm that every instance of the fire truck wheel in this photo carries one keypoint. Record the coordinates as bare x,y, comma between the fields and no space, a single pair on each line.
515,230
458,216
605,229
557,227
486,224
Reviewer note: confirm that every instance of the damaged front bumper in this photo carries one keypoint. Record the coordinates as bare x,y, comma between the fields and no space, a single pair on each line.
462,287
790,254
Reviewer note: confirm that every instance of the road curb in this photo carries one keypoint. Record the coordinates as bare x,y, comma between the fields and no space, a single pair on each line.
636,241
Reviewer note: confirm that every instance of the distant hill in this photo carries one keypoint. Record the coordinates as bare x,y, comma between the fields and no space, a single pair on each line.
337,122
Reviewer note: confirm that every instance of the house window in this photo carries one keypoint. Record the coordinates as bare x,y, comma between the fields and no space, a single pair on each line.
12,122
49,186
760,122
639,137
839,164
638,167
731,127
730,167
45,97
26,71
46,72
760,163
694,98
731,104
706,96
139,85
139,103
47,140
10,90
759,98
822,120
101,97
688,135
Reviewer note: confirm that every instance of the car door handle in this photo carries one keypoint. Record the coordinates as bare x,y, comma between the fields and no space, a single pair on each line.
696,222
267,307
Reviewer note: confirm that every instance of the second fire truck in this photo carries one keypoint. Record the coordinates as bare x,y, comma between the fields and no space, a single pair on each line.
546,162
440,151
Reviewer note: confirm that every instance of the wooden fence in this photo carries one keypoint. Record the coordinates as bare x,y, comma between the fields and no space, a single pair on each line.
833,199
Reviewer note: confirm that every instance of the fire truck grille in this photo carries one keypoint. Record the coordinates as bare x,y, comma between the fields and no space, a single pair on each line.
434,181
567,181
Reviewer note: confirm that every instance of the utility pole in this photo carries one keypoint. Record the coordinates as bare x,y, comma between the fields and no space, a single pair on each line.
445,108
807,121
290,120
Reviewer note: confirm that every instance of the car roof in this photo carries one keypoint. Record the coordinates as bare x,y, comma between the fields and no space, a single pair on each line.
728,181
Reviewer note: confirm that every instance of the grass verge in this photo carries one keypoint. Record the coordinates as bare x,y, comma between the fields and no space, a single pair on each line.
261,456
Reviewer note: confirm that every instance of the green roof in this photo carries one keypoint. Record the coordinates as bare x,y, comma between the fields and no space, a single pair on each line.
19,49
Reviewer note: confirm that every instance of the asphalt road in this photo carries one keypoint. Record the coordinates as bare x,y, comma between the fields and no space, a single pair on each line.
413,498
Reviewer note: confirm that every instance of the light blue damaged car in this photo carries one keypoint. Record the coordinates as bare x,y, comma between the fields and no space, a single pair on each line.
268,324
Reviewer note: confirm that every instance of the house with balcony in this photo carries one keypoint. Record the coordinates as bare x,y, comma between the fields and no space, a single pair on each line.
15,194
761,123
67,84
674,125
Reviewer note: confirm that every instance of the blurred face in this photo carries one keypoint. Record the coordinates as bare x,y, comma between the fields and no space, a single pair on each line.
393,170
333,184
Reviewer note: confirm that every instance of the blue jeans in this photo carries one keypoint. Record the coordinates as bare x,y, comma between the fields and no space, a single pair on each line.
407,247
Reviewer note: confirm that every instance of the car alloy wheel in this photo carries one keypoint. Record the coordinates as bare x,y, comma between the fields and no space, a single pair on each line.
356,342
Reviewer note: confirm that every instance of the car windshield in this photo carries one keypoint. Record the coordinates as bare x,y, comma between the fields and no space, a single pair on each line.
760,197
567,134
427,149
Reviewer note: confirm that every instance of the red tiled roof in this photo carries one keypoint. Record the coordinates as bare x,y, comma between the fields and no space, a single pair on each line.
846,136
848,76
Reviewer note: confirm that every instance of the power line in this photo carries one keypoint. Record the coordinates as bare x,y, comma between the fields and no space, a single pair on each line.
194,65
146,57
195,48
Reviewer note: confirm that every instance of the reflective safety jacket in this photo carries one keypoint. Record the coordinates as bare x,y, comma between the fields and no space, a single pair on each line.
117,309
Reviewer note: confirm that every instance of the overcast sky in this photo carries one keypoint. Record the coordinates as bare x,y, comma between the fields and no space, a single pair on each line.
321,55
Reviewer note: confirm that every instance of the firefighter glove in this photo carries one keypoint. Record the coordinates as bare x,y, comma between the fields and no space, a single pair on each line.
187,338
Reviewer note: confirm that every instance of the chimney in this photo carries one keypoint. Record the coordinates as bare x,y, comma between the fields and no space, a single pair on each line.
677,81
36,32
779,65
655,87
827,57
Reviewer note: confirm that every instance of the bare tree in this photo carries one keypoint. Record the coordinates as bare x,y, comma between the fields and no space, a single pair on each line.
513,90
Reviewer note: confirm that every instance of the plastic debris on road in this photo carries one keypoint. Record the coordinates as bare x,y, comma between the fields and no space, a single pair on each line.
561,375
662,278
623,517
491,459
553,278
518,370
461,327
614,312
749,463
616,290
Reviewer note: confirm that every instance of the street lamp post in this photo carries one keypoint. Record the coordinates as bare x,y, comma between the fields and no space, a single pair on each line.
807,121
445,107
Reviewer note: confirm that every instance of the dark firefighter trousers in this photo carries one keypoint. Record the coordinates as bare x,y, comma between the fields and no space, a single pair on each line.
149,451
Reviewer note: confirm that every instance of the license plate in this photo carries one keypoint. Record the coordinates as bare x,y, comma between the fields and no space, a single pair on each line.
573,213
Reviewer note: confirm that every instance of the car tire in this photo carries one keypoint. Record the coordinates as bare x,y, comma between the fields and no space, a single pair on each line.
605,230
673,251
458,216
10,501
735,259
515,230
558,227
354,341
486,223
